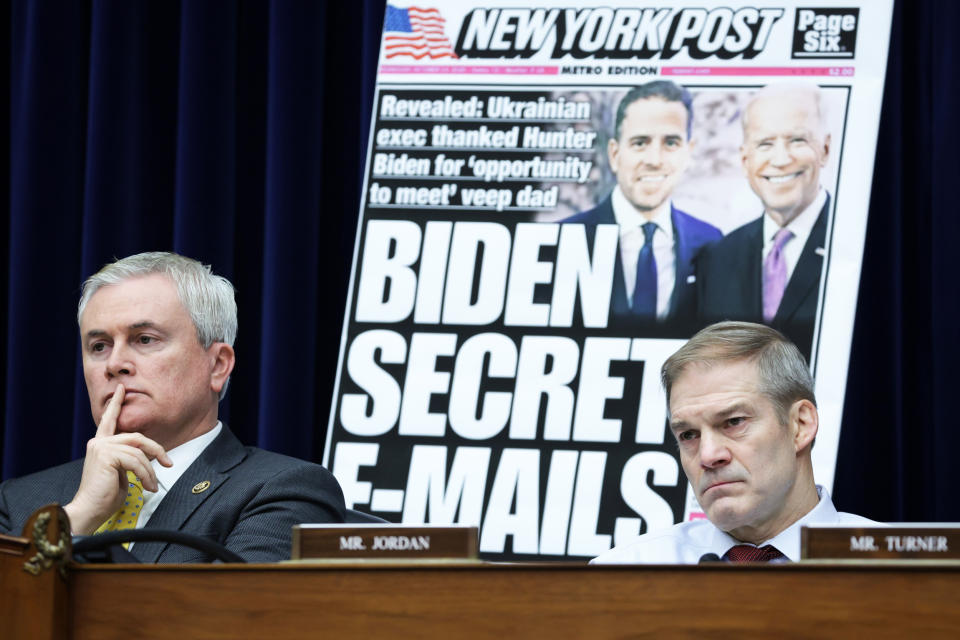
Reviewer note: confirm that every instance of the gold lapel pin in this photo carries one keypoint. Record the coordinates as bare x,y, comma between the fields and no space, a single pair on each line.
200,487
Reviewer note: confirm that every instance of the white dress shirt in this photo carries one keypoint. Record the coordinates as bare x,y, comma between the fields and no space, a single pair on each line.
182,457
631,241
801,226
687,542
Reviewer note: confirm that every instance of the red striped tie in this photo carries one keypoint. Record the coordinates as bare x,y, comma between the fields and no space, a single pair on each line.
750,553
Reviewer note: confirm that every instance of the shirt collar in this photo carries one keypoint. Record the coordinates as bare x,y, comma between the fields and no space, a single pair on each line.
801,225
182,457
788,540
629,218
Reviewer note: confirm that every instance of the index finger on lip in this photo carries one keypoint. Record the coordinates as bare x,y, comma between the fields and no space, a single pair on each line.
108,422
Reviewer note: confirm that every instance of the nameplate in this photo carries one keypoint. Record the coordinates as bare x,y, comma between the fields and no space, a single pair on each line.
913,542
383,541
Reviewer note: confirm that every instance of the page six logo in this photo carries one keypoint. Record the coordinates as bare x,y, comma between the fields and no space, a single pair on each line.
825,33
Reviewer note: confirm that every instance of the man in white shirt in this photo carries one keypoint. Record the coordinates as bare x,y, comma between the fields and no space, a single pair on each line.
769,270
743,412
649,153
157,332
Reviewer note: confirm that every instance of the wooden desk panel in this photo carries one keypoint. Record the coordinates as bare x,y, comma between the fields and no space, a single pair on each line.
503,601
33,590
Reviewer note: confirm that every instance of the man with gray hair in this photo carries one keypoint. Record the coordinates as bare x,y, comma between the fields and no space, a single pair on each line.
156,334
769,270
742,409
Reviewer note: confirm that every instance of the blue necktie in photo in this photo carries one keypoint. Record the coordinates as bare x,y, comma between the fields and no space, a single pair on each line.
645,289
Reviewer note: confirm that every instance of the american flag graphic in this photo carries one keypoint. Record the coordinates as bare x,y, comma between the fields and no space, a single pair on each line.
415,32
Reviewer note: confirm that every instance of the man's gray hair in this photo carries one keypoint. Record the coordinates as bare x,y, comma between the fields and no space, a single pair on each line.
208,298
783,374
797,91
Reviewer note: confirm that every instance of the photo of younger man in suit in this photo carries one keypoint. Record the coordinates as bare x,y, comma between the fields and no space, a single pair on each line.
649,153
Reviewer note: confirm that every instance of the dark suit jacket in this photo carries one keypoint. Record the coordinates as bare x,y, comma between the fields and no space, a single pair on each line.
689,236
254,499
730,281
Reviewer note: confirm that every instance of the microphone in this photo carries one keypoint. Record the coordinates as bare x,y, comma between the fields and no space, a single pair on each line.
709,557
105,547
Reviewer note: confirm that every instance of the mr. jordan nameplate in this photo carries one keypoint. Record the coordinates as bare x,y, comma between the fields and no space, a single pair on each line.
386,541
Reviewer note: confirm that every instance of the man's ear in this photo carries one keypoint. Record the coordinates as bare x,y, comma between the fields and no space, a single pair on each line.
805,421
223,359
826,151
613,149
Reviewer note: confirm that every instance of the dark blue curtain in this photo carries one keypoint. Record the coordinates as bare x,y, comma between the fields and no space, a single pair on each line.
235,132
898,437
232,132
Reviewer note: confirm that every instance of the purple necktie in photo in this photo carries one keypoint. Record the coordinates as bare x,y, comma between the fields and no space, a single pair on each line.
645,289
775,275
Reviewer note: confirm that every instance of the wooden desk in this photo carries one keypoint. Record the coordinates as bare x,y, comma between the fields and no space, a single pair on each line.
505,601
188,602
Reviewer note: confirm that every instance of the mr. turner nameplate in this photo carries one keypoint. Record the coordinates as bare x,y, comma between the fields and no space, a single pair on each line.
914,542
384,541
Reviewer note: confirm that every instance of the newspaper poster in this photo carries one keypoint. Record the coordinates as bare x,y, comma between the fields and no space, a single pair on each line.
555,198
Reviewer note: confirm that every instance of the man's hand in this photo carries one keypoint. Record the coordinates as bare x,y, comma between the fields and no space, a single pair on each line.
103,485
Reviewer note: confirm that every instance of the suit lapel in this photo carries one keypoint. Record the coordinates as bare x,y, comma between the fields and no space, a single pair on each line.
618,296
683,256
181,501
806,275
751,289
682,260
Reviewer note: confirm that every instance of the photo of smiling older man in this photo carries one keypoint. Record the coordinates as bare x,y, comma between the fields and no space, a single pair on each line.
769,269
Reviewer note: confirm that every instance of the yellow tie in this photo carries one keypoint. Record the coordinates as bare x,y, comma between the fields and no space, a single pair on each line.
126,517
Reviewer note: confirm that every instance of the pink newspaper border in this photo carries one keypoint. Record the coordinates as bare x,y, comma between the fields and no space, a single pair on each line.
543,70
471,70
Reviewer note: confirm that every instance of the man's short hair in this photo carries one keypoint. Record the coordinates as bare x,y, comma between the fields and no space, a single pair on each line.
783,374
663,89
208,298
